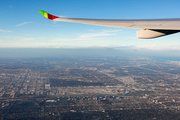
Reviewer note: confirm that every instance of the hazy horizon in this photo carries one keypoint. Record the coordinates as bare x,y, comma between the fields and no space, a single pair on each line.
89,52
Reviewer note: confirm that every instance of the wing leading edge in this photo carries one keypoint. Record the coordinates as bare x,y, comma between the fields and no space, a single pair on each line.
150,28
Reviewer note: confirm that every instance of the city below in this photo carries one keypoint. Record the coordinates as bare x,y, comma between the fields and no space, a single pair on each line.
88,88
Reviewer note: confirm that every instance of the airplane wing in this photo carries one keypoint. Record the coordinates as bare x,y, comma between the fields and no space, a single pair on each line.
150,28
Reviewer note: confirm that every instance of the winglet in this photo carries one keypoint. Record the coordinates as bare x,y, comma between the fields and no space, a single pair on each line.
47,15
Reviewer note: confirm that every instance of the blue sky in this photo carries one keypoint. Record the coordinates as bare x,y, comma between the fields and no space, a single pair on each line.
22,26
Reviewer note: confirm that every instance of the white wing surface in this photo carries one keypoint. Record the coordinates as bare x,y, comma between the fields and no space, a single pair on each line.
150,28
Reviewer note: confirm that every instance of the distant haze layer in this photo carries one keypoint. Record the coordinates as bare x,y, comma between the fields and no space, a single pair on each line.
89,52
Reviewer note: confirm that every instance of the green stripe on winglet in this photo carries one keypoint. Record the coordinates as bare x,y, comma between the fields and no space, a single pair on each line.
42,12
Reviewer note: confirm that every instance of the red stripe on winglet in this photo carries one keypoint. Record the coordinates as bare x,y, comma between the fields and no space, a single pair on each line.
51,17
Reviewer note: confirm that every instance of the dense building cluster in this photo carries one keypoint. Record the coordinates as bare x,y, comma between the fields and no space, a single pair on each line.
89,88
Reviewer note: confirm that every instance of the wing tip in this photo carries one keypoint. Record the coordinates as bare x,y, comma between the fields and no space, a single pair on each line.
47,15
41,11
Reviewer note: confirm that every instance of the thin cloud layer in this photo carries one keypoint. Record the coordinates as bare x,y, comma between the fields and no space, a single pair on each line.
94,35
90,36
100,34
26,39
5,31
160,47
24,23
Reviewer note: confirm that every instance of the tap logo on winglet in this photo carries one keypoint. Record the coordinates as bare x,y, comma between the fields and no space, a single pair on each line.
47,15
